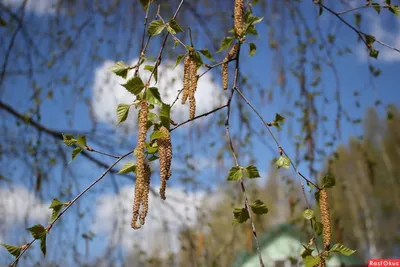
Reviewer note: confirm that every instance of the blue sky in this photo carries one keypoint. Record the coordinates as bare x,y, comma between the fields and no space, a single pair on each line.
352,70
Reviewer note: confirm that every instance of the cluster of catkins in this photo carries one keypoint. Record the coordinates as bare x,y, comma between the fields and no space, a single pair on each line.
325,219
143,172
190,83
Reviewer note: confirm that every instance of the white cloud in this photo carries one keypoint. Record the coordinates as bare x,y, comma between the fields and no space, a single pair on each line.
108,93
19,204
385,32
39,7
179,210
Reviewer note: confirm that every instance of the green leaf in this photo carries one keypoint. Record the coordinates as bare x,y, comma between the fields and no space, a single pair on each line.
76,152
43,244
151,69
370,39
197,59
56,205
156,135
279,118
153,96
283,162
377,7
252,49
145,3
318,227
240,215
13,250
235,174
178,60
328,181
37,231
357,19
306,252
342,249
127,168
207,54
251,172
373,53
165,114
3,23
226,43
388,2
155,27
151,149
310,261
122,112
308,214
252,30
81,141
395,10
120,69
69,139
134,85
174,26
258,207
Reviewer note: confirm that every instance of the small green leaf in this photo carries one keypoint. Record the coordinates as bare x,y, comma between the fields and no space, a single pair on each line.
310,261
342,249
328,181
251,172
120,69
395,10
145,3
306,252
240,215
252,49
207,54
151,149
308,214
258,207
165,114
153,96
369,39
151,69
197,59
13,250
235,174
178,60
377,7
226,43
37,231
76,152
43,244
122,112
373,53
357,19
175,27
156,135
134,85
127,168
318,227
279,118
56,205
81,141
155,27
69,139
283,162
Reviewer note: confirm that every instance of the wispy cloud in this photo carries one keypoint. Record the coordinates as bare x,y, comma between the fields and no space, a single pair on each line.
108,93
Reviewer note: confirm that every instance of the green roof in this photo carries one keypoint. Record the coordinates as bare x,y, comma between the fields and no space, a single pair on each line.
284,229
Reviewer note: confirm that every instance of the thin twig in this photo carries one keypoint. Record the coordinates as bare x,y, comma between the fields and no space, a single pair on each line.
48,228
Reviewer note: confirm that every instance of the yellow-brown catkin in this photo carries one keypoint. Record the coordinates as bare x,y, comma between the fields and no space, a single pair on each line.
140,162
190,83
200,244
325,219
145,193
165,153
232,53
238,17
186,79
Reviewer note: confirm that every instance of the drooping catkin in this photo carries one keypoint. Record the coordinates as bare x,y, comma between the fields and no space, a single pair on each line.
140,162
190,83
165,153
325,219
145,193
238,17
232,53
